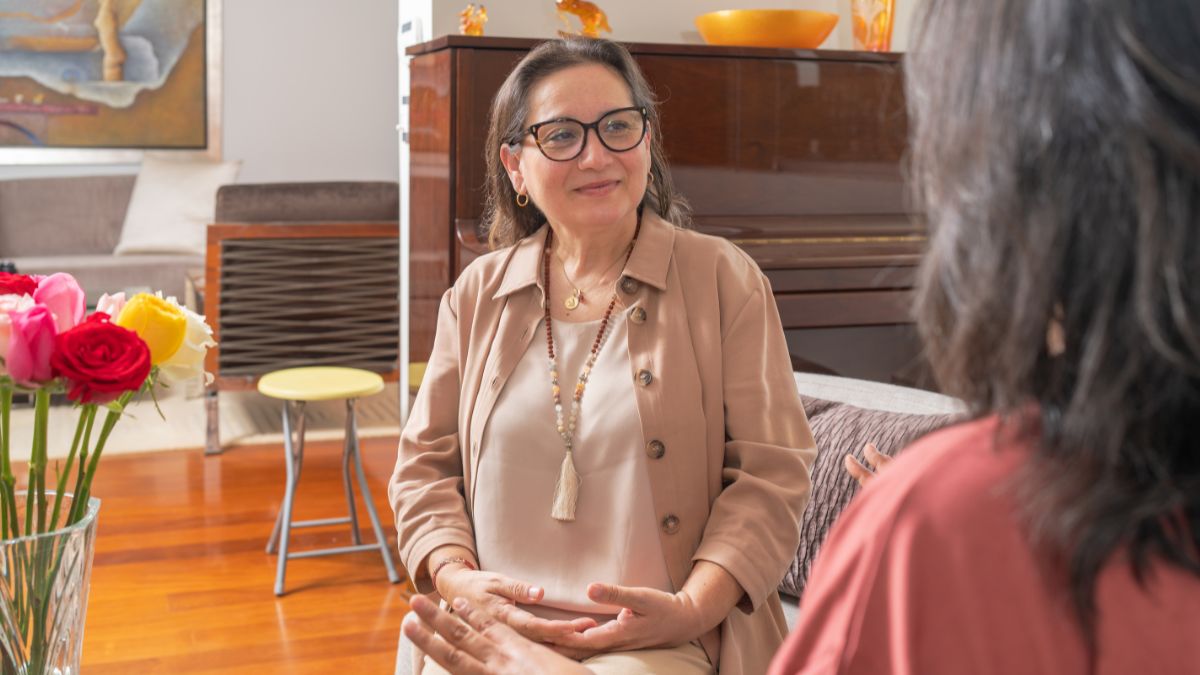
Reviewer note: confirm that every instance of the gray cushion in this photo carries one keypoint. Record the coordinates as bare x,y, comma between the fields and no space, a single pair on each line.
62,216
331,202
99,274
839,429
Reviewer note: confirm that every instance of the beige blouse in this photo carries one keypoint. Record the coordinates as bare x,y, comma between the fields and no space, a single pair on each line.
614,538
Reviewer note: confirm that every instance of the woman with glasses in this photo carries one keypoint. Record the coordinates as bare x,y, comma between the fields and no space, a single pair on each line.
608,452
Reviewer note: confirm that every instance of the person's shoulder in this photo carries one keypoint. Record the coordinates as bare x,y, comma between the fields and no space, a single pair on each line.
717,268
710,252
483,275
953,476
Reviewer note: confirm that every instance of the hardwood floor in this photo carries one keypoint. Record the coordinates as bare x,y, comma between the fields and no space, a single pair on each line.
182,583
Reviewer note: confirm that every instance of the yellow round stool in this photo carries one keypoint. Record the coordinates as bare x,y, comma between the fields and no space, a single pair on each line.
296,387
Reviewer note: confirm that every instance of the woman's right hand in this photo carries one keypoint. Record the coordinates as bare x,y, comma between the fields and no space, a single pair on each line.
498,595
471,642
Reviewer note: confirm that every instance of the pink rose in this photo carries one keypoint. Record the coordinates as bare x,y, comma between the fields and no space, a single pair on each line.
8,304
61,294
31,345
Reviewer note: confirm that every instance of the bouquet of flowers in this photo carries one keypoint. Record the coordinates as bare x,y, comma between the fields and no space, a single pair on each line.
49,345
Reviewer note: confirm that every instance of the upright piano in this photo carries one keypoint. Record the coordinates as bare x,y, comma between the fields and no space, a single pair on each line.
794,155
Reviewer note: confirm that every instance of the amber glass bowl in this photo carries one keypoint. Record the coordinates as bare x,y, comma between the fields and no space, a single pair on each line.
782,28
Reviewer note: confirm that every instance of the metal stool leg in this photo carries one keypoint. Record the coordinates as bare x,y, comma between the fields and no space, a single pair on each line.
294,433
347,450
380,539
293,455
212,427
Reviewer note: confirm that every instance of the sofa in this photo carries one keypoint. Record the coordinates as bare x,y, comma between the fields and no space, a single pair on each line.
73,225
843,413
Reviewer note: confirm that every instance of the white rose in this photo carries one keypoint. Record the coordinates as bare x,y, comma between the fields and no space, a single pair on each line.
111,304
188,362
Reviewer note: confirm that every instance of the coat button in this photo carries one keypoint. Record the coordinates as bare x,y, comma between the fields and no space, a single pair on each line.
644,377
629,285
637,315
655,449
670,524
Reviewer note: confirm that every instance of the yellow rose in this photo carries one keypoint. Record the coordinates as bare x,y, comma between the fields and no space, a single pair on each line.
159,323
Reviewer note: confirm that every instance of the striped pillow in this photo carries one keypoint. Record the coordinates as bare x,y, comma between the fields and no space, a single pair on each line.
840,429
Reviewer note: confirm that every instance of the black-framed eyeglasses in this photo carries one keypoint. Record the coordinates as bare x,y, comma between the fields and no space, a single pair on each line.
564,139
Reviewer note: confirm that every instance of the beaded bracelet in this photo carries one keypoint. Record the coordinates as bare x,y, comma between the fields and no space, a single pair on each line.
446,561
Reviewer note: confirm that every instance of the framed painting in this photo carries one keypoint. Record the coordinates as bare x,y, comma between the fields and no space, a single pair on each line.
93,81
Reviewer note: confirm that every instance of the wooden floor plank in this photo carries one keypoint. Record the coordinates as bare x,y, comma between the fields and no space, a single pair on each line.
182,583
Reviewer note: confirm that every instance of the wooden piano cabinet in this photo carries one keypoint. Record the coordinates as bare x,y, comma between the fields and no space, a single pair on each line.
794,155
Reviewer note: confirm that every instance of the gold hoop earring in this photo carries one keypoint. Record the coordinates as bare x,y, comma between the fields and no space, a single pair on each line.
524,203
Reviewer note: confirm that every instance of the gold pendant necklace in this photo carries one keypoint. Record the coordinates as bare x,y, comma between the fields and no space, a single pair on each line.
575,297
572,300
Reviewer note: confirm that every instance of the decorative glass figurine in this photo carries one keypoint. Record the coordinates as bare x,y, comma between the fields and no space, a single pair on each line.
592,18
873,24
471,20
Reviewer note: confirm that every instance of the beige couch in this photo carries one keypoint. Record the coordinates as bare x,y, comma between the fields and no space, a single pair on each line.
72,225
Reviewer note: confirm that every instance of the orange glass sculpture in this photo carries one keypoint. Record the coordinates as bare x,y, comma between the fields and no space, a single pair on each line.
873,24
592,18
471,20
780,28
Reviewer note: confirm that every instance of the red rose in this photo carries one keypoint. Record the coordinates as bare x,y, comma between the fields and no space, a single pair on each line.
101,360
16,284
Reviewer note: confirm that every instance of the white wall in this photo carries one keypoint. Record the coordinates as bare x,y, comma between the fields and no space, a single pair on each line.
311,89
669,21
310,93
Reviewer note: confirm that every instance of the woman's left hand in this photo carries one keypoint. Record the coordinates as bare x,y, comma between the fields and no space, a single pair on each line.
648,618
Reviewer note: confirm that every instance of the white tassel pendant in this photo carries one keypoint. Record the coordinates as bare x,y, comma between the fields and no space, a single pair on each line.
566,491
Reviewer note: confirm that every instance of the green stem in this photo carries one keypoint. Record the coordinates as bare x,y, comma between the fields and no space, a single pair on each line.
83,456
85,487
9,516
86,414
35,468
38,460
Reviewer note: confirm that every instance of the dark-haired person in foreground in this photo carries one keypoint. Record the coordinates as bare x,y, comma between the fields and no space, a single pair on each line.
1056,150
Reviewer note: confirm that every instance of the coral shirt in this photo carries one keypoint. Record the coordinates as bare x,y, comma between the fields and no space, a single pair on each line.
929,571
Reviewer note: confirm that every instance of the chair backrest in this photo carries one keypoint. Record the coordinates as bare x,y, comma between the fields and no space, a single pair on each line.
290,283
346,202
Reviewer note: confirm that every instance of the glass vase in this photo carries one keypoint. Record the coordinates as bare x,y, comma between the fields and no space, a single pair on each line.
44,582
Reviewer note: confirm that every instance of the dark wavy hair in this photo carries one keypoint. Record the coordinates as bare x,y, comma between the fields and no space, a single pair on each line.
1056,155
508,224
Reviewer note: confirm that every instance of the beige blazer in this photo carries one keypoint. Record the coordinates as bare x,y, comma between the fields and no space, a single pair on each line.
729,448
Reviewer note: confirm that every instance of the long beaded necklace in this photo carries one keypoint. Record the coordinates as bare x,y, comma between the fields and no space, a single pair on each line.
566,490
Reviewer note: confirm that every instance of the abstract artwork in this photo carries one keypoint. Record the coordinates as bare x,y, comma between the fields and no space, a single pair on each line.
101,75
